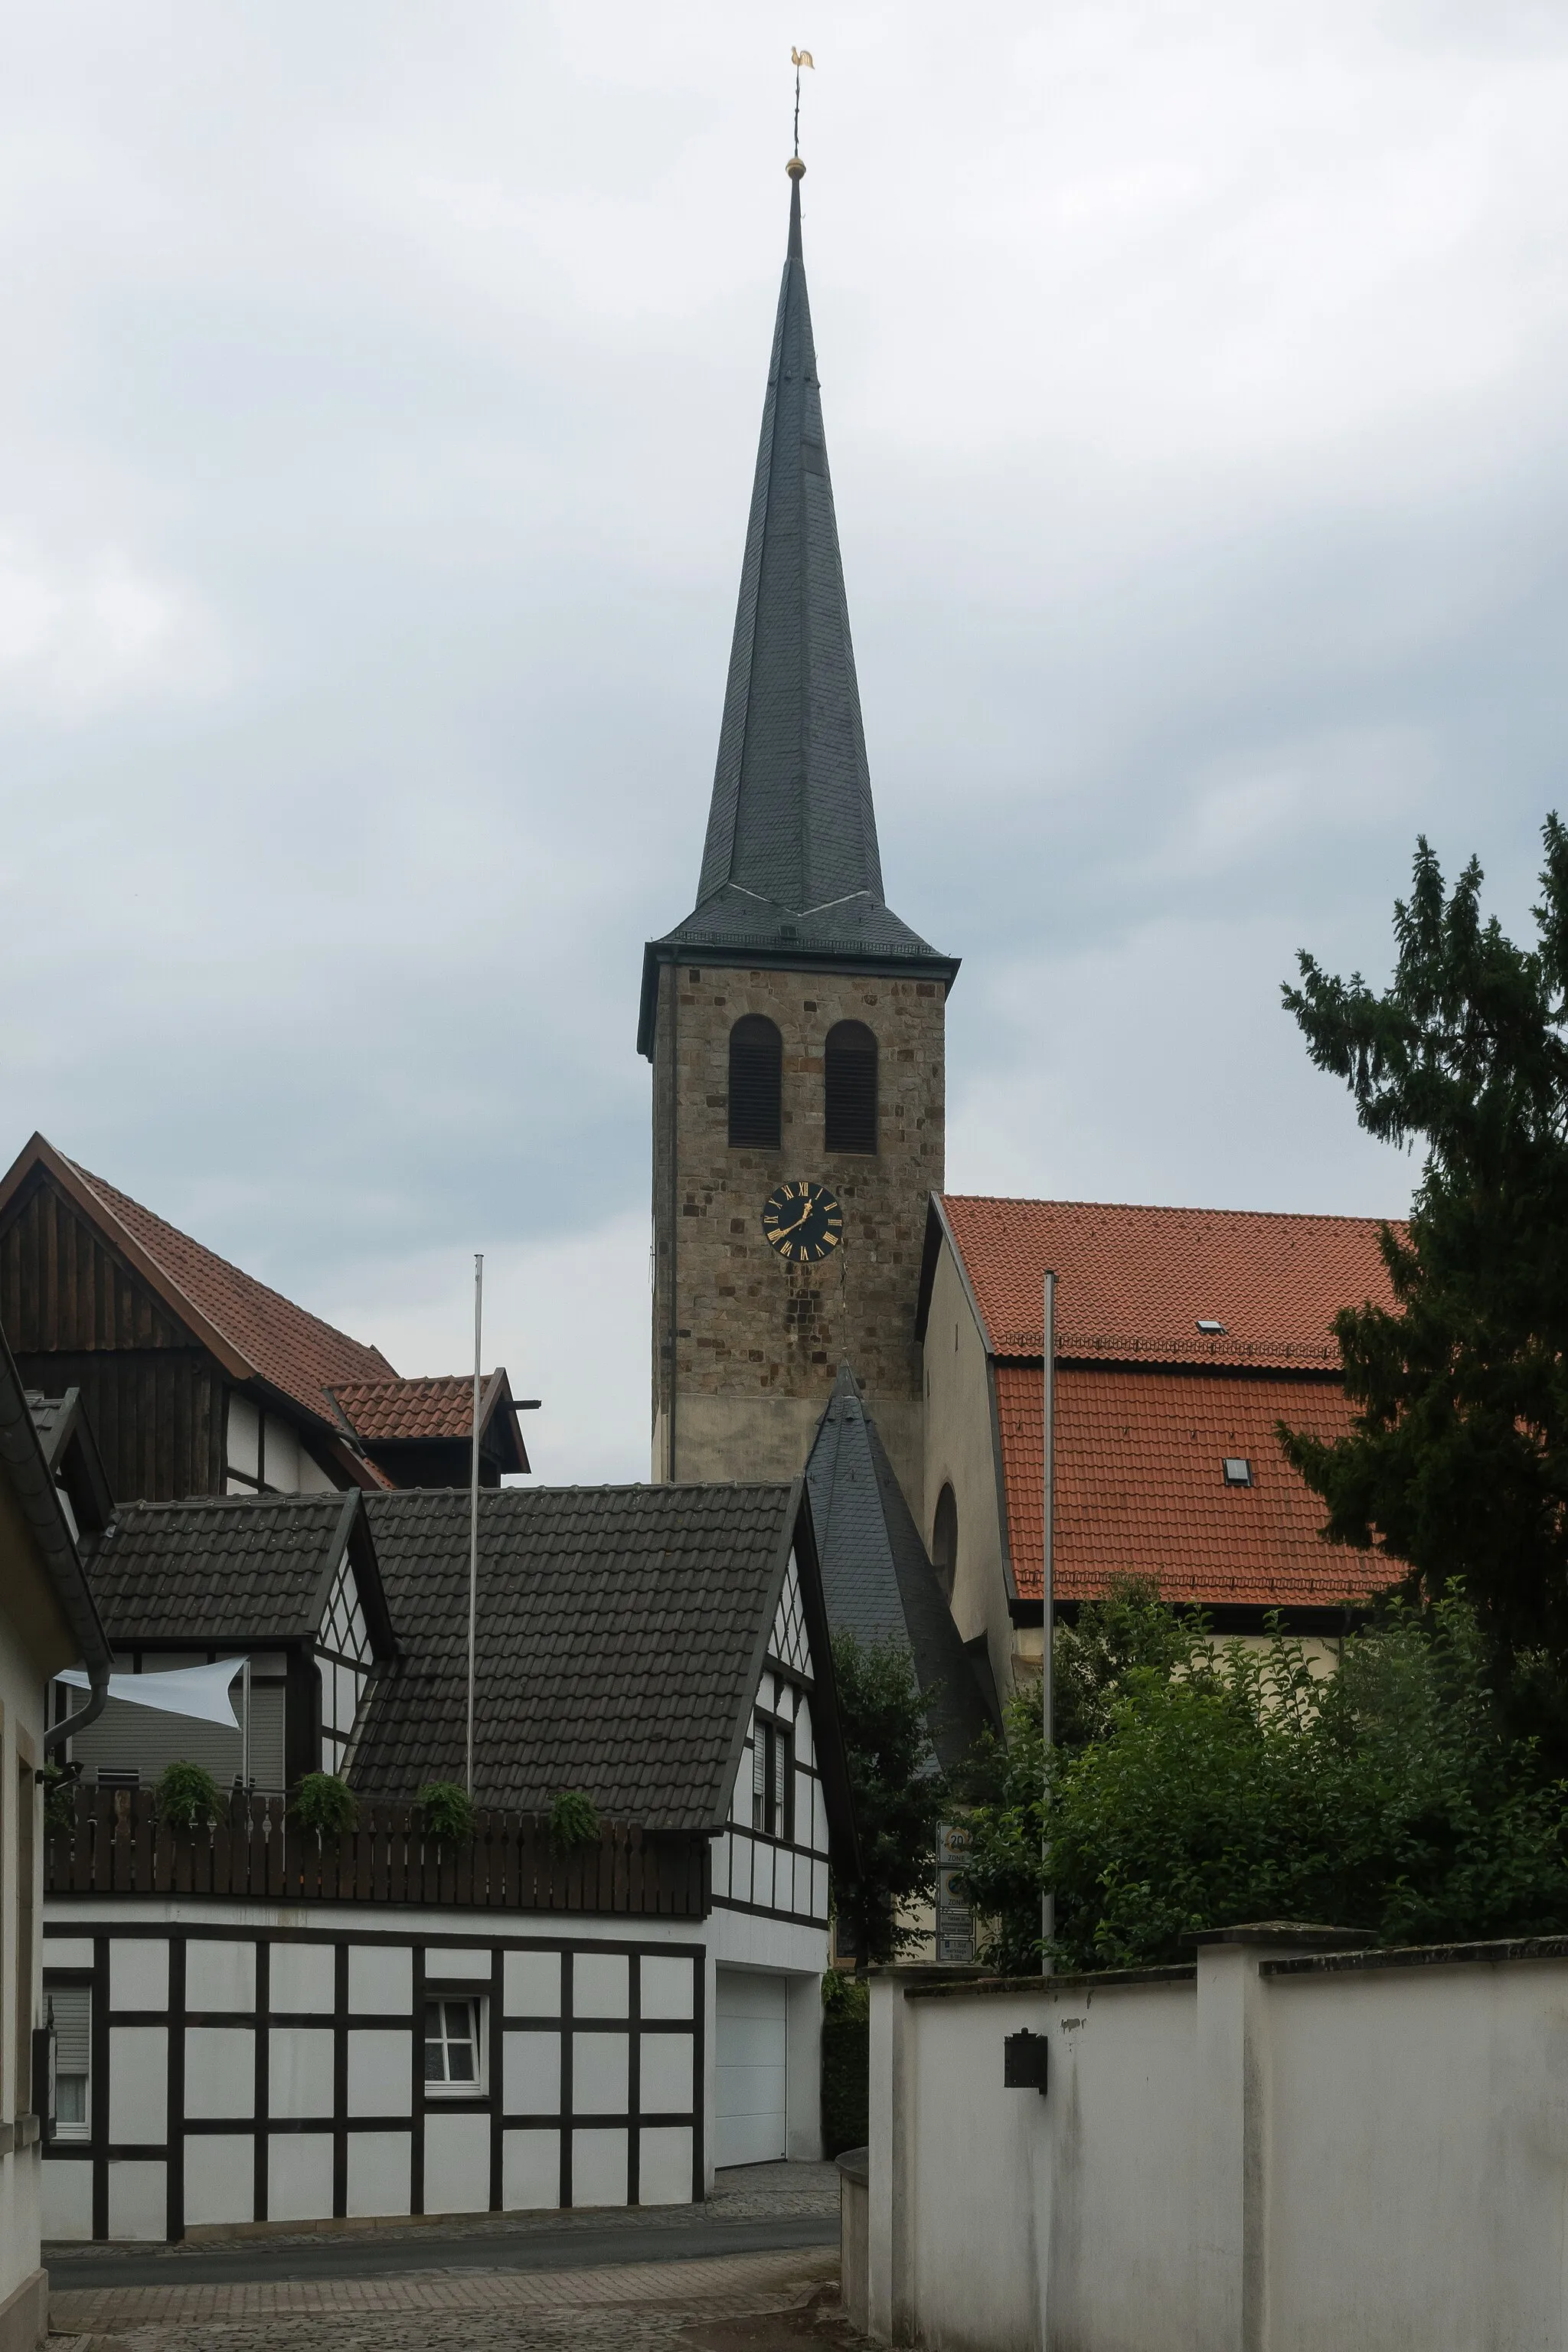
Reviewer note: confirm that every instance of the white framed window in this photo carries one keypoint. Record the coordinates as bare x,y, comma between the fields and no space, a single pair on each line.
70,2007
772,1779
454,2044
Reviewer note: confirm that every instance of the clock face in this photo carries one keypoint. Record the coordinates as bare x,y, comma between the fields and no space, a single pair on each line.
802,1221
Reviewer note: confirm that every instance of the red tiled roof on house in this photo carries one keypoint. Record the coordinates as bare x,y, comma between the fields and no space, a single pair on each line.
284,1344
1141,1488
1132,1283
403,1411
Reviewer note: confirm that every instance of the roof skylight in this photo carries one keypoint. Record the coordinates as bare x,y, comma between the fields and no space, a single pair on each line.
1237,1470
1212,1326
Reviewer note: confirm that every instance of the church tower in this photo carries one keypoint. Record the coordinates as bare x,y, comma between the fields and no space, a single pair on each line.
795,1025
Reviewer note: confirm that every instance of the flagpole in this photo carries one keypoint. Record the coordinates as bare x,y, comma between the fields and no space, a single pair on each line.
1048,1601
474,1508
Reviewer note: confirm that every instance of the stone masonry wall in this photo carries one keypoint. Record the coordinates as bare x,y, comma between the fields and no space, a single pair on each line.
757,1342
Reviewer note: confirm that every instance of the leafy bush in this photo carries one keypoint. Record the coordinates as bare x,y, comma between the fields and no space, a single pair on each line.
187,1797
448,1810
573,1821
897,1793
1241,1785
323,1804
846,2060
60,1797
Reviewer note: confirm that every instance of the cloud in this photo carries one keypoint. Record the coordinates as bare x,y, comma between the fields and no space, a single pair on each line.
378,424
79,639
570,1319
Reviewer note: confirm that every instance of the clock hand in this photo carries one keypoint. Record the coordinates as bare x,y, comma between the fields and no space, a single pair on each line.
780,1231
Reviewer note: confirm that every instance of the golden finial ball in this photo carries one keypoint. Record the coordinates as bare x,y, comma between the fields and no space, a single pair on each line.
796,168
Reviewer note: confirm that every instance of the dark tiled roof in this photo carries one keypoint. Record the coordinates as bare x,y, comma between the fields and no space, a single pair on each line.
70,1451
621,1631
230,1568
51,1418
1131,1283
791,862
23,1469
877,1581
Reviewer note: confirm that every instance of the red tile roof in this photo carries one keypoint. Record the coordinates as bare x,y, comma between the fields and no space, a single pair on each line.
1141,1486
293,1350
400,1411
1131,1283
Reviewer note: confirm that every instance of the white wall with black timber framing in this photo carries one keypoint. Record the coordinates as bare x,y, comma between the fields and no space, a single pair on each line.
772,1858
244,2067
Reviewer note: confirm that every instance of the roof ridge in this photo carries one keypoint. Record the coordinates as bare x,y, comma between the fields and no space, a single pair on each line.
108,1195
1172,1209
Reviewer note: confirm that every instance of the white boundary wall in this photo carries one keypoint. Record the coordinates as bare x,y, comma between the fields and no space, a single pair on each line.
1280,2149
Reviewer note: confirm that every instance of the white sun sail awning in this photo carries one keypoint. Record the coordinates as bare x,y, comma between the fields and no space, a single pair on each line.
199,1692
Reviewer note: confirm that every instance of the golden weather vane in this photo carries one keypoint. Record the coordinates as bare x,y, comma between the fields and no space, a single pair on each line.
797,58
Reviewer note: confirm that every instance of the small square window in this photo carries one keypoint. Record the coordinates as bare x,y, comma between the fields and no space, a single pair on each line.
453,2055
1211,1326
1237,1470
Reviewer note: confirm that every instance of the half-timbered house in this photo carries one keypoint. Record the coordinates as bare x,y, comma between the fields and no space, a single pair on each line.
259,2026
199,1379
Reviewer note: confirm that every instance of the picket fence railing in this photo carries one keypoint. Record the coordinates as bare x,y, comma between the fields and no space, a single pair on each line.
115,1844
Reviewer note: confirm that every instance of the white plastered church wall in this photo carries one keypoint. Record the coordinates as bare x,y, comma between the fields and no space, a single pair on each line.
961,1452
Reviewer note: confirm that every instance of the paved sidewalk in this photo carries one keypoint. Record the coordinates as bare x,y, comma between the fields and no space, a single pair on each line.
627,2308
742,2193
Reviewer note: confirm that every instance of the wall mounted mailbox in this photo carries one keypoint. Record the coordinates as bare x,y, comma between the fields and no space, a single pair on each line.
1024,2060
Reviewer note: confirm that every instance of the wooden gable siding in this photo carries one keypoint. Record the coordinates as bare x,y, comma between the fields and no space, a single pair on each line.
76,1316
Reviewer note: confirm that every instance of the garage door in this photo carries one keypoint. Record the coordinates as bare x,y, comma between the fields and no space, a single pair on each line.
750,2053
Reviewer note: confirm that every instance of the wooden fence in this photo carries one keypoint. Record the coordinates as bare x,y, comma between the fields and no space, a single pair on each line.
115,1844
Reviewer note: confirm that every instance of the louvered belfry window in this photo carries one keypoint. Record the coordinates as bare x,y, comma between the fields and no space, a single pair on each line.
850,1081
757,1068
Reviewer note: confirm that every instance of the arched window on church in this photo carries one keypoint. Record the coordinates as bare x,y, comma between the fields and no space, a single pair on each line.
756,1069
850,1086
945,1541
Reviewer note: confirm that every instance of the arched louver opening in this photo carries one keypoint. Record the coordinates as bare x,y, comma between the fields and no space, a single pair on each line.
850,1082
756,1069
945,1541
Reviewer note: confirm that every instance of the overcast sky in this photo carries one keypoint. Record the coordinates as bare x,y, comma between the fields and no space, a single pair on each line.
377,429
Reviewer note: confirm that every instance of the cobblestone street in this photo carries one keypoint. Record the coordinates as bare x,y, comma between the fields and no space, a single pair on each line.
778,2301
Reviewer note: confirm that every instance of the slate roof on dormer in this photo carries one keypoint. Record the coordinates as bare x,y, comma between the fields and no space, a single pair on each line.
791,866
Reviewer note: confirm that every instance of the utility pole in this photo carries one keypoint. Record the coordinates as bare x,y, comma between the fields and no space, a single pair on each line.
474,1508
1047,1598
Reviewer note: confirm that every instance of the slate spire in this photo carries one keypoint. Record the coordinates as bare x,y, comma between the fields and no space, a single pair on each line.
792,827
791,870
792,816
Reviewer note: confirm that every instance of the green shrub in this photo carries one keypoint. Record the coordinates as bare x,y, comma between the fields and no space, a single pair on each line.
573,1821
895,1791
324,1804
59,1797
187,1797
846,2061
1389,1795
447,1811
